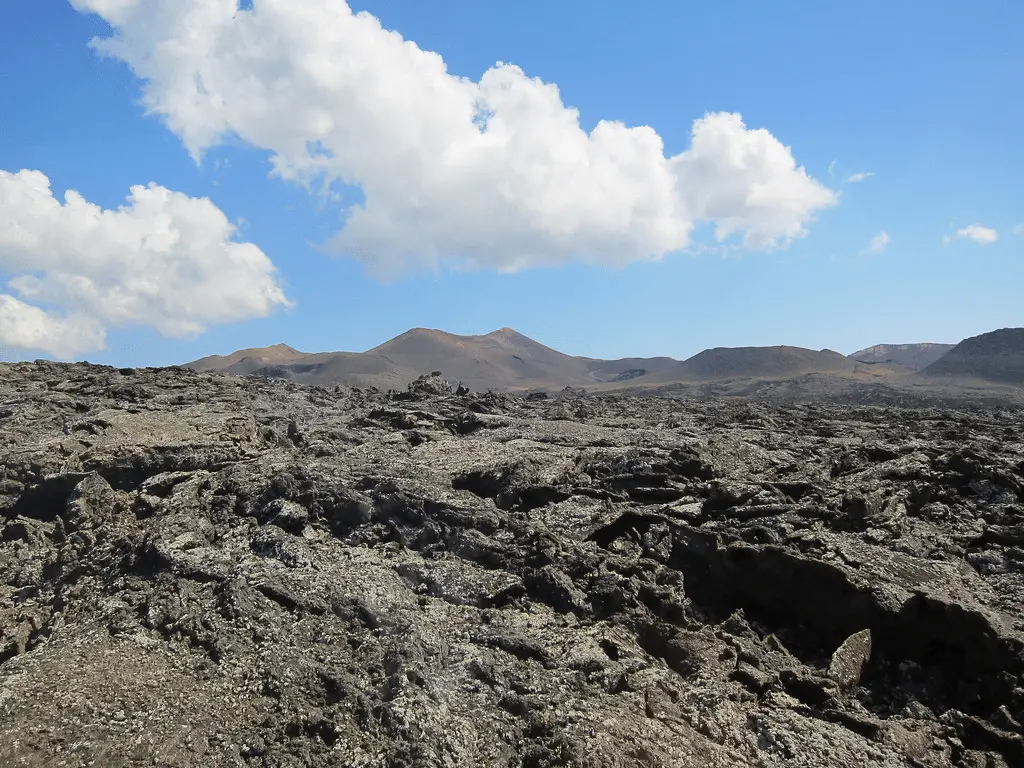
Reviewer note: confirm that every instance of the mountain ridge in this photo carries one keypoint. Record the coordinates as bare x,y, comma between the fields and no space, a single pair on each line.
508,360
505,359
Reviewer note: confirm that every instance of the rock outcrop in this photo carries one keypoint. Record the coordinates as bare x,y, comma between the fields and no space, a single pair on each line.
200,569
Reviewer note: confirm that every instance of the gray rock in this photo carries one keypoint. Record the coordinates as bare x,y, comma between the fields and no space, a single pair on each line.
289,515
850,659
211,570
431,384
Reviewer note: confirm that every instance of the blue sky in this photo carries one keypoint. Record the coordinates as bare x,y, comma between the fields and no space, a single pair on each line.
924,97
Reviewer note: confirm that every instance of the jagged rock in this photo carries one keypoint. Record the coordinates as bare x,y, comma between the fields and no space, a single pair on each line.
810,688
209,570
555,588
289,515
753,678
91,504
430,384
850,659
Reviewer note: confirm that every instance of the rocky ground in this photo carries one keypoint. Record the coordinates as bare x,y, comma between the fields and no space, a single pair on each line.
201,570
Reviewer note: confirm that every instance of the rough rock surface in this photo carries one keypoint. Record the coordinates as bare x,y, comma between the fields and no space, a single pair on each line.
851,658
206,570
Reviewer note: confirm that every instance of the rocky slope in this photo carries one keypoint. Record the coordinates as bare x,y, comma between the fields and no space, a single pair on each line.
912,356
997,356
207,570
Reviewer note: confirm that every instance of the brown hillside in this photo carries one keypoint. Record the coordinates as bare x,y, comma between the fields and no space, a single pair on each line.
247,360
503,359
756,362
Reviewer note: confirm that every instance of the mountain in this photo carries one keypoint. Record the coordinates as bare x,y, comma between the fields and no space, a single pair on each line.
997,356
507,360
247,360
755,362
500,360
913,356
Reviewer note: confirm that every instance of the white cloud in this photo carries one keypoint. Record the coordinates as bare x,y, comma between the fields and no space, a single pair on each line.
496,173
28,327
854,178
977,233
832,168
1019,229
879,243
163,260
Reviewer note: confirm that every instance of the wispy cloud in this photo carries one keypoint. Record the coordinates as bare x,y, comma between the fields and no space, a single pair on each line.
878,243
832,168
853,178
1019,229
975,232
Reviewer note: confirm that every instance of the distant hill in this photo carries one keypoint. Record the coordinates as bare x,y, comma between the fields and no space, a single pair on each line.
507,360
248,360
627,368
755,362
912,356
352,369
500,360
997,356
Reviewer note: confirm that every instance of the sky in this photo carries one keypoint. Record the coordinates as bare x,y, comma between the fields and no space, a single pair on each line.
181,178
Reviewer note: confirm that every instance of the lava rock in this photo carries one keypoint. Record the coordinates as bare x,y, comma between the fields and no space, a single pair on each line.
208,569
850,659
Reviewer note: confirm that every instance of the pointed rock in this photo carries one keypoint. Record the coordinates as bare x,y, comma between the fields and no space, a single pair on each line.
850,659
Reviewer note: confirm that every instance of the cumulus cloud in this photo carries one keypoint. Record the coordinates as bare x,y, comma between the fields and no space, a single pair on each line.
27,327
163,260
879,243
977,233
854,178
495,173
